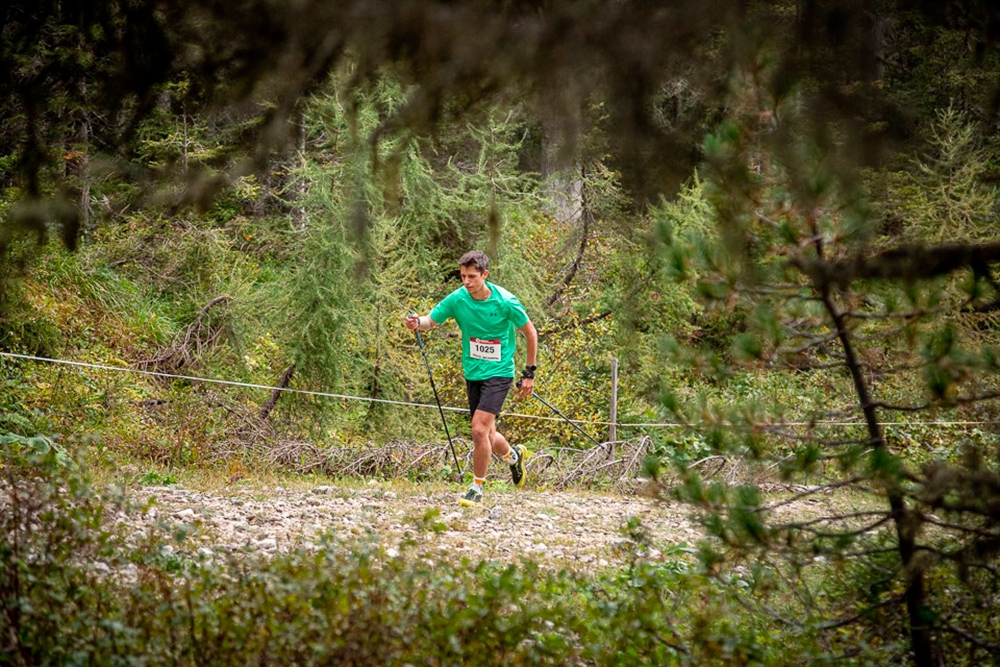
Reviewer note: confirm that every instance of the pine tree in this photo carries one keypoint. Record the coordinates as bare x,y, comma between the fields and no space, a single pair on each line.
834,310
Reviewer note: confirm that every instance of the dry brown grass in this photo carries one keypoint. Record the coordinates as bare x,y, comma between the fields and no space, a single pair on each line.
617,468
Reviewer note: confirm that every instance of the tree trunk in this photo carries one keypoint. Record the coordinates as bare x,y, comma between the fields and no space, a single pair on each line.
300,217
77,172
925,651
563,183
83,172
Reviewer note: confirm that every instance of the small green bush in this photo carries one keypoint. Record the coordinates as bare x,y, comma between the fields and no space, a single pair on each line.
54,551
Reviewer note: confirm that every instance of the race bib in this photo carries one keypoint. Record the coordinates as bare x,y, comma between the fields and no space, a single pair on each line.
488,350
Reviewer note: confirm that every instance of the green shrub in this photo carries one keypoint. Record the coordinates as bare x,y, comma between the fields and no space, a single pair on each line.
54,549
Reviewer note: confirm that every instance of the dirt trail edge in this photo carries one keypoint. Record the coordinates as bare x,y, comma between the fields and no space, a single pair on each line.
561,529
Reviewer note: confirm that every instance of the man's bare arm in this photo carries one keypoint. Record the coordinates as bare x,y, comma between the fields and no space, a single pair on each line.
531,335
420,322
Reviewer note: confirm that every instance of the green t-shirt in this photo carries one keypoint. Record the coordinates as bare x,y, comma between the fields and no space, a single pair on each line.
488,330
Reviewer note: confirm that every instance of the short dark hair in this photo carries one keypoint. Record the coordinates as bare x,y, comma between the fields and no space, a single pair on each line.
475,258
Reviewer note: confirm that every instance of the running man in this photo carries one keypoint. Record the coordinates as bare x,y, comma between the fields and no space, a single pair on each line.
488,316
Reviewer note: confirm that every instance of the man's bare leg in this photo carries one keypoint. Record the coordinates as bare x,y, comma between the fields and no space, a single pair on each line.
483,430
500,445
486,441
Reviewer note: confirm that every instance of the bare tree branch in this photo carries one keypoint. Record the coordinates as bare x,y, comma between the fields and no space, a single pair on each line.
902,263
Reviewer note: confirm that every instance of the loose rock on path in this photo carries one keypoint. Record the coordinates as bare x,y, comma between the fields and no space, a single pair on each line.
561,529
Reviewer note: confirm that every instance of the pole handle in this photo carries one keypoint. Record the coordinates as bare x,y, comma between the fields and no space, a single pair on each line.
420,340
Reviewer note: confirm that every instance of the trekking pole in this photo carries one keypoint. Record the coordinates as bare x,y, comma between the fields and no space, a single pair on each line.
568,421
420,342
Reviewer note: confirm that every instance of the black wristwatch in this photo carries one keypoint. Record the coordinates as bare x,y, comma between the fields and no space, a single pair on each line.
529,372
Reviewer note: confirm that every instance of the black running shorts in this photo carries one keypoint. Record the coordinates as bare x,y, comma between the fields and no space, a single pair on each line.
487,395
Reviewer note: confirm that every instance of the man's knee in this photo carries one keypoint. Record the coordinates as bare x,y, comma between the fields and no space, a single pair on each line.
482,425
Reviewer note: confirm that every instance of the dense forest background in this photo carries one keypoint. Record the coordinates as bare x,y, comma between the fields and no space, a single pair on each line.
779,217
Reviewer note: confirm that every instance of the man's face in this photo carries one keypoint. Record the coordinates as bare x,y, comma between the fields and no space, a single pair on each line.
473,279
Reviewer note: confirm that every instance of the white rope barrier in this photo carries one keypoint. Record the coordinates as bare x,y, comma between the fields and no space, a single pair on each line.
250,385
348,397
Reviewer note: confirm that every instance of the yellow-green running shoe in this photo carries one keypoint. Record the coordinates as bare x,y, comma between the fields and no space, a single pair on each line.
517,469
471,498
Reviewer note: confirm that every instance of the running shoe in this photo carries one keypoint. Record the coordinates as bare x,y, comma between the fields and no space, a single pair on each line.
517,469
471,498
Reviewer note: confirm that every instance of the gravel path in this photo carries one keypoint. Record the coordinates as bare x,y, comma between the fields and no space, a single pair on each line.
582,530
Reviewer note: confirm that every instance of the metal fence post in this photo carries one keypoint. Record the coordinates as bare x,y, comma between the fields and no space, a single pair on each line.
613,435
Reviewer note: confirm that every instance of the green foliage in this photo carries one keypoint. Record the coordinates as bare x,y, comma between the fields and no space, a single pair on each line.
335,310
53,546
376,249
77,592
811,331
944,197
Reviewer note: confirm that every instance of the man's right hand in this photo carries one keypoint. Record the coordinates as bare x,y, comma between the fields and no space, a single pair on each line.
413,322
